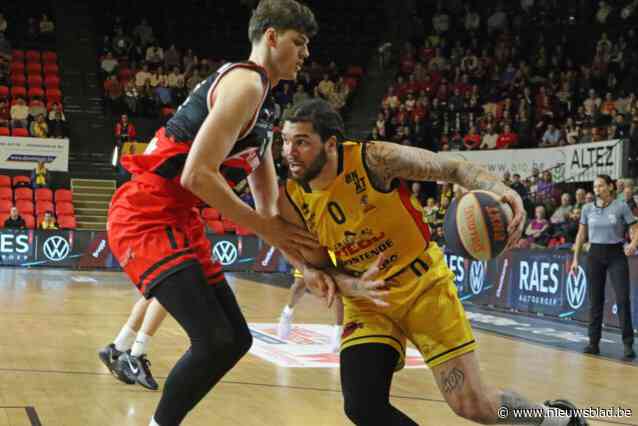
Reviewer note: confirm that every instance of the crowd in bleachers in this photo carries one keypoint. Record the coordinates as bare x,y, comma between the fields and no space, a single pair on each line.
513,74
30,96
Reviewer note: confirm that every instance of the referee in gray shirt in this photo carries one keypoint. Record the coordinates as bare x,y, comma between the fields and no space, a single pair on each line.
605,221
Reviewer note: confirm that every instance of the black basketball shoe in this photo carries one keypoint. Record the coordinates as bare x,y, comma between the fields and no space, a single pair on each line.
109,357
137,369
562,404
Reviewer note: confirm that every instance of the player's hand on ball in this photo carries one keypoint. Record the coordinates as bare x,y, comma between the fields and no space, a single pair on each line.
515,229
367,287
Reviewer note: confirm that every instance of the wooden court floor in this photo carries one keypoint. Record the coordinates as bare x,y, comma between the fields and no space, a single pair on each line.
54,321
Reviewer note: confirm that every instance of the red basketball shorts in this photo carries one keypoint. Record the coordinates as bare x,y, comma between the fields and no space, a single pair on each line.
153,234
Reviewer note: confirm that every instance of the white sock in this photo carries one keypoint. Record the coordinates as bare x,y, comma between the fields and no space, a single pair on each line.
124,340
153,422
551,420
288,311
139,347
336,331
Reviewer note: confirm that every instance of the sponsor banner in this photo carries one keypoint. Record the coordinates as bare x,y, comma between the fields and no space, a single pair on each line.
579,163
16,246
235,253
308,346
24,153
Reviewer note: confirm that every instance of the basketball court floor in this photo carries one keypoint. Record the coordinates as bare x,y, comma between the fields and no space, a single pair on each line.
52,322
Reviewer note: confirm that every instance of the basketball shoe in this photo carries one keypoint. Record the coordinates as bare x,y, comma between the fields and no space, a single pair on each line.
137,369
109,357
564,405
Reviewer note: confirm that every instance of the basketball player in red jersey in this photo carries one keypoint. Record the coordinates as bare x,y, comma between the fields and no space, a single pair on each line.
218,142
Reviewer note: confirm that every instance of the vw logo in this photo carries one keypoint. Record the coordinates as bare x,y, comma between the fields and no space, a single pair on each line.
225,252
477,275
56,248
576,288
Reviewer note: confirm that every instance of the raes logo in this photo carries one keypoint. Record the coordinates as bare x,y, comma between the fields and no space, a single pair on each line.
576,288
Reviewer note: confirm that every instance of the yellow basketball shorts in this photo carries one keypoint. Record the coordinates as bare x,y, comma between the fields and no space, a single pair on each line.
424,309
297,273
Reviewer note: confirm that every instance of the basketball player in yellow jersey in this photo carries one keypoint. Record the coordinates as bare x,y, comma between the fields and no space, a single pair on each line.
353,198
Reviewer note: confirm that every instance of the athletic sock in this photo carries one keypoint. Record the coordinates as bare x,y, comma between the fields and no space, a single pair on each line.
288,311
141,341
124,340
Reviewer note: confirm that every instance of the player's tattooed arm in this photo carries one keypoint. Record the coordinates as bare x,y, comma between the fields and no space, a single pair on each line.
389,161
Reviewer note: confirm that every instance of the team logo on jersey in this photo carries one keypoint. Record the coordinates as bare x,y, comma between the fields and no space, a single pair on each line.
350,328
359,182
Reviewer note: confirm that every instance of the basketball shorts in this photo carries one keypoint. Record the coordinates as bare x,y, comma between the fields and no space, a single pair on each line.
424,309
152,238
297,273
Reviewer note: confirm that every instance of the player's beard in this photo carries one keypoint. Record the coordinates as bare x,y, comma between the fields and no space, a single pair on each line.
313,170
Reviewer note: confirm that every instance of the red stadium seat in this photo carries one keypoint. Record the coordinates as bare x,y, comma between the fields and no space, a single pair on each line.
216,226
23,194
5,181
23,180
20,132
18,79
34,81
6,194
29,220
64,208
32,56
34,68
240,230
16,67
63,195
229,225
36,92
67,222
50,69
210,213
5,131
17,54
4,92
5,206
43,206
49,57
54,95
43,194
18,92
3,218
25,206
52,82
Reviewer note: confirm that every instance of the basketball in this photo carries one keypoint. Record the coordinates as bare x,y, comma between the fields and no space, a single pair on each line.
475,225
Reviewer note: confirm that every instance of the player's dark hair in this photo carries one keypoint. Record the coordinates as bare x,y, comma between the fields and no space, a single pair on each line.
608,180
281,15
325,120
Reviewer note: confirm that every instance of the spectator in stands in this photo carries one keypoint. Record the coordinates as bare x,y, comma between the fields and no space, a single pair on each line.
508,139
33,31
15,221
565,232
472,20
164,96
3,24
36,107
144,33
551,137
429,210
48,222
497,21
109,64
172,57
113,90
442,210
300,95
147,101
122,43
19,114
177,85
5,115
440,20
472,140
580,198
142,76
39,128
57,122
47,27
155,55
124,131
537,230
325,88
561,214
489,138
40,176
589,197
630,199
193,80
439,236
131,97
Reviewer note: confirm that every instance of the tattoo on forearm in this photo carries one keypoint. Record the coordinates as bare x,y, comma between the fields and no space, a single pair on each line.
387,161
452,380
511,401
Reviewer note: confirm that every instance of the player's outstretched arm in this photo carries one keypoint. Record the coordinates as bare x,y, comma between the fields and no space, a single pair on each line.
389,161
